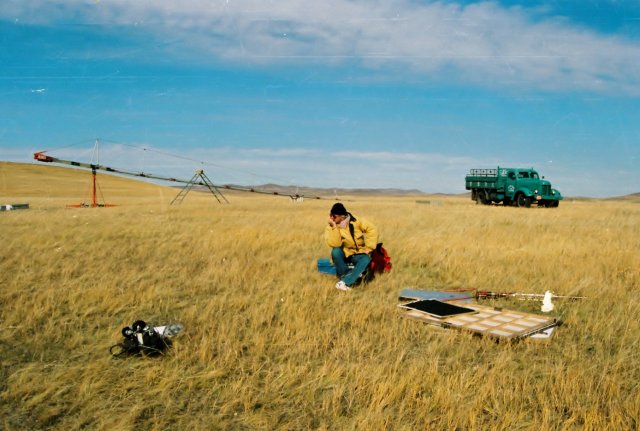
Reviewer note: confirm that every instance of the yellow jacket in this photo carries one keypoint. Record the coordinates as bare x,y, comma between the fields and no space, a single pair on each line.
362,239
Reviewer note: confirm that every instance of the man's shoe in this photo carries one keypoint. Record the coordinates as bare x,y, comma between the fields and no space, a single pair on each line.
342,286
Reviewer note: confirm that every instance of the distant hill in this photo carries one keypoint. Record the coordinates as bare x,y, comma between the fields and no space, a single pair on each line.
319,191
329,192
633,197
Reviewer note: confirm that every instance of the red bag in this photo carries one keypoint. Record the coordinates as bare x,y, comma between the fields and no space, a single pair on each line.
380,260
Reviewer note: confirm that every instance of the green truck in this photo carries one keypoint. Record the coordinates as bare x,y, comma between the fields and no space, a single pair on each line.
511,186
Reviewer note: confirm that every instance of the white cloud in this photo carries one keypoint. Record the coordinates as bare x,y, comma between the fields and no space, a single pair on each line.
481,43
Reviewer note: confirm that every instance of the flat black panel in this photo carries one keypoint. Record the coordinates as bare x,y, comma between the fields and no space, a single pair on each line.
437,308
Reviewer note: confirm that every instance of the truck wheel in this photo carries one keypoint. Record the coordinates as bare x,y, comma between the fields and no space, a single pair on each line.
553,204
523,201
481,199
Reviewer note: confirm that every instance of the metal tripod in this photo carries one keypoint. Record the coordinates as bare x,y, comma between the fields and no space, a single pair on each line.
194,181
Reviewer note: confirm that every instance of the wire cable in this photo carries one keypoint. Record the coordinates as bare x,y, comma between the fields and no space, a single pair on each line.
201,162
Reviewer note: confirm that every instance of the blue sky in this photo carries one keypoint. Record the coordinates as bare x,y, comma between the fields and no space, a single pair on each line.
343,93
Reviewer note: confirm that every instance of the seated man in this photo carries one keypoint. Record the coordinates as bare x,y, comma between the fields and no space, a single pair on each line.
351,240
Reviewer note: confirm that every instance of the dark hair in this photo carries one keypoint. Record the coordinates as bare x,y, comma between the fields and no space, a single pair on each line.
338,209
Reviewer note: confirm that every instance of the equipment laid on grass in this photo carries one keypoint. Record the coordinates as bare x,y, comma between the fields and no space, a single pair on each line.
511,186
547,305
479,319
471,293
522,296
441,295
12,207
436,308
141,339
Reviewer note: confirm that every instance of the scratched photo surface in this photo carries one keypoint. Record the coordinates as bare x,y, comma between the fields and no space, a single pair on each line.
175,162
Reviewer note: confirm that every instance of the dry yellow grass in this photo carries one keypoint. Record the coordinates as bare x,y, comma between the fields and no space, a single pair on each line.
270,344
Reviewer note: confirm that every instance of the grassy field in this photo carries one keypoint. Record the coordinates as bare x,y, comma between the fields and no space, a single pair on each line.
269,343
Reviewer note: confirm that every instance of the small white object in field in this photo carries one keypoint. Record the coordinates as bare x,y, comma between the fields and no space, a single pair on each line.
546,302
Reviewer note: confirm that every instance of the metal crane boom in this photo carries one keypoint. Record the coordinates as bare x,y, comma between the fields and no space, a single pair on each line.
42,157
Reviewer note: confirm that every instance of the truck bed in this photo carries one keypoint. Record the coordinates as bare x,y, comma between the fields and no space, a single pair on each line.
481,179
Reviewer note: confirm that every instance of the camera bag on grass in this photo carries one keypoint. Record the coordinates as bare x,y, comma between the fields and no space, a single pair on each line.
141,339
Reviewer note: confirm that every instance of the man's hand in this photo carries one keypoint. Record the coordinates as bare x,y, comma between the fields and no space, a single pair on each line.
331,222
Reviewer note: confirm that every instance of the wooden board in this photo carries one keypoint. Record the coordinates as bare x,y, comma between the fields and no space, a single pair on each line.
488,321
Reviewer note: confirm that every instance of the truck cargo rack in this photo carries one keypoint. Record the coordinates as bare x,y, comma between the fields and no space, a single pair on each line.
484,172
